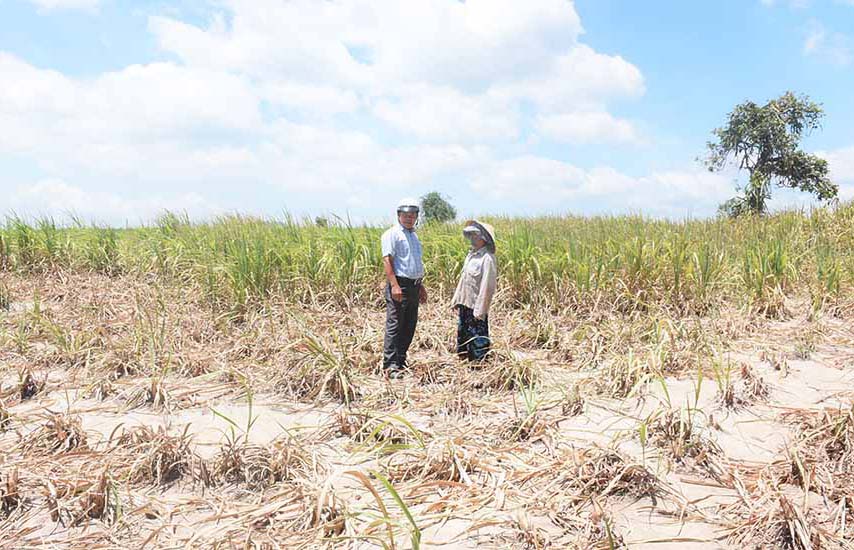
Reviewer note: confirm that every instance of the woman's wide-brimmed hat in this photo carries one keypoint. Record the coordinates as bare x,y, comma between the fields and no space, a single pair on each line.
486,230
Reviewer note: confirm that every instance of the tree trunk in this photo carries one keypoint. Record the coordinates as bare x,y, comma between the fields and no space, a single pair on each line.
756,194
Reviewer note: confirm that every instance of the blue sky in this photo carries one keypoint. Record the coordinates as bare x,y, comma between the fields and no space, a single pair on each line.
116,110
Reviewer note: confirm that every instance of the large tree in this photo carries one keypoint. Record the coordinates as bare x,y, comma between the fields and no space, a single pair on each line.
437,208
764,141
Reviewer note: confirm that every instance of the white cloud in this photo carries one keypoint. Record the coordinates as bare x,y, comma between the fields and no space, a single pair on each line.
323,160
56,197
832,47
841,163
157,122
469,43
581,78
445,42
341,100
50,5
587,127
46,113
514,50
529,178
164,123
445,114
268,39
309,98
550,184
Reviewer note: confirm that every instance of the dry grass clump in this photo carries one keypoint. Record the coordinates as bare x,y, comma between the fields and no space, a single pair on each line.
386,397
571,488
754,387
456,404
330,521
436,371
771,304
382,432
28,387
101,389
831,433
95,502
440,460
293,460
776,361
805,342
535,328
786,526
622,377
326,514
244,463
258,466
584,473
60,434
679,435
525,426
823,454
76,502
160,457
524,534
750,388
5,417
10,497
507,372
572,403
152,393
588,527
119,362
430,339
5,296
326,367
300,515
192,367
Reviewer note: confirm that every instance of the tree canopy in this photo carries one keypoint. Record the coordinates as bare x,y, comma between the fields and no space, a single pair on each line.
435,207
764,141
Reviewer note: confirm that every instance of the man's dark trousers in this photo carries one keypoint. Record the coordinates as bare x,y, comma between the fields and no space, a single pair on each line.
400,320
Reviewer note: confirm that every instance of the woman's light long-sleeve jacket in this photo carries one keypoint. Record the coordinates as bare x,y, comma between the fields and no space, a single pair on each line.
477,282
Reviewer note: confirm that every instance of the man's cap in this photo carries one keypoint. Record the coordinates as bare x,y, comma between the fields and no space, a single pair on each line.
408,205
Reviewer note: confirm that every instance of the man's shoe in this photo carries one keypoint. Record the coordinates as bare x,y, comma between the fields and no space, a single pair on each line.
396,372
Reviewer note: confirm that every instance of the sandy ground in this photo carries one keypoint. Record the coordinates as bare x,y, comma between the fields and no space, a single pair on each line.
511,498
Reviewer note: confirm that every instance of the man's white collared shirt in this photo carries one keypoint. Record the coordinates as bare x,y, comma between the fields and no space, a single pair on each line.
405,250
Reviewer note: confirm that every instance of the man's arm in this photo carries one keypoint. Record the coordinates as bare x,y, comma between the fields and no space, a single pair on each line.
388,267
387,245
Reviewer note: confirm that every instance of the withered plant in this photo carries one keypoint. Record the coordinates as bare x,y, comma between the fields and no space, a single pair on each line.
28,387
5,417
60,434
10,497
158,457
681,436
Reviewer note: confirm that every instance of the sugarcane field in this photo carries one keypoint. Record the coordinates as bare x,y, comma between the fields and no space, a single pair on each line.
219,386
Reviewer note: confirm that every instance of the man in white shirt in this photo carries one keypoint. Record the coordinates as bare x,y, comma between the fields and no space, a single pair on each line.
404,271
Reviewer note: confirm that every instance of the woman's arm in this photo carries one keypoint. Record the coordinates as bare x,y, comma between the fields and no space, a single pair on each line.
459,290
489,276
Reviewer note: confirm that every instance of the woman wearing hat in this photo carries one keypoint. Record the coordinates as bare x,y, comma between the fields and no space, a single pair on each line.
475,291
